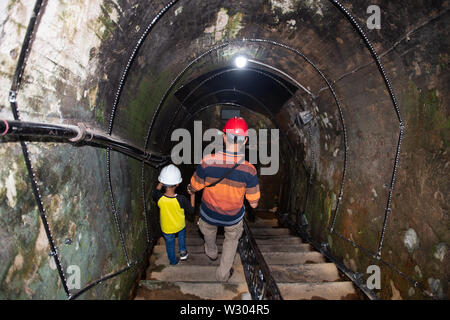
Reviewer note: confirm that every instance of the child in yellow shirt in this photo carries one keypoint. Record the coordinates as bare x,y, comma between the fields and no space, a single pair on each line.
172,208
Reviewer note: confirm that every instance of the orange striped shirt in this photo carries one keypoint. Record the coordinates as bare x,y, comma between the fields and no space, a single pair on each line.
223,204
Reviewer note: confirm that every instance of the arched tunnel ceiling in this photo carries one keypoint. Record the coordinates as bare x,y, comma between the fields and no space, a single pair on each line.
186,48
129,76
263,86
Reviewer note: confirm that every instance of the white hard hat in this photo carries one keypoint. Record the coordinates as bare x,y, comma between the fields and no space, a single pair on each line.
170,175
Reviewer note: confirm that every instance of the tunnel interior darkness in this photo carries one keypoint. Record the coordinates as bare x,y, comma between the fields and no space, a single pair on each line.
340,175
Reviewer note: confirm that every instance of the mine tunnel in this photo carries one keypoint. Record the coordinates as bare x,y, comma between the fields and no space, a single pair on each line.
93,91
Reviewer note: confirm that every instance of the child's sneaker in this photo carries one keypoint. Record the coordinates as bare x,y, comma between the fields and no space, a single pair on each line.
184,255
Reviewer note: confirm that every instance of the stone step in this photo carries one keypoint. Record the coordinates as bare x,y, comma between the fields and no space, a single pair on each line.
303,247
260,239
264,231
276,239
191,248
268,231
178,290
293,258
195,273
158,259
263,223
317,272
286,240
326,290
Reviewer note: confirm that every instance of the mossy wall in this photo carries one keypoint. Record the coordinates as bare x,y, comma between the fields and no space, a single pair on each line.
66,80
416,238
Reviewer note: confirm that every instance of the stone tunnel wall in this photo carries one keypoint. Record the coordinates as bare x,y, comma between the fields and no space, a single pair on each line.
74,66
66,80
411,45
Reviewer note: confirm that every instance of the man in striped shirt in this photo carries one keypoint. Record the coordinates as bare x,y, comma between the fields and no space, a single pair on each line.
223,204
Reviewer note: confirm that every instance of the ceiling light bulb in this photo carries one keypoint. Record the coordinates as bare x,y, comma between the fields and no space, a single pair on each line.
240,62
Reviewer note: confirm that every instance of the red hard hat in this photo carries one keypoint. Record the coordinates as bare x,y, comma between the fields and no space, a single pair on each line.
236,126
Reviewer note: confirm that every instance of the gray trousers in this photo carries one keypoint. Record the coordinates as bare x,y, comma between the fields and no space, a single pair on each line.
230,243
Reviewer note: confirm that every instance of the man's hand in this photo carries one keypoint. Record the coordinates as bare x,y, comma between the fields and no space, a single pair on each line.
189,189
159,186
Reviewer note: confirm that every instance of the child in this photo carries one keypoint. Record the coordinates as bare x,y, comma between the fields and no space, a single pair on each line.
172,208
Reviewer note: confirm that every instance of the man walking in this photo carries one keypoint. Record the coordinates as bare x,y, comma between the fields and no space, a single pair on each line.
226,178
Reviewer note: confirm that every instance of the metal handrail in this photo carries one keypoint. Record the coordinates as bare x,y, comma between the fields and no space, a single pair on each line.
260,282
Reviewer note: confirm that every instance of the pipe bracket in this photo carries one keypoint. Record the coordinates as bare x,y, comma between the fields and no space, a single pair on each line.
81,129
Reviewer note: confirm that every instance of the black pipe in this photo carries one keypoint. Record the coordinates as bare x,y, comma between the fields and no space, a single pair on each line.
12,130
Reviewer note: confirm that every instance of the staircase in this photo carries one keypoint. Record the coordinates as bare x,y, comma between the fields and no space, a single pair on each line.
299,271
192,279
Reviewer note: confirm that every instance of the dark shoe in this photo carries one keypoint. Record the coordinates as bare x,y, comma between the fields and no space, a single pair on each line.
184,255
212,258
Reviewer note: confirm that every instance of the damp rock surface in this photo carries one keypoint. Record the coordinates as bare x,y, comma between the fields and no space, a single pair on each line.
411,240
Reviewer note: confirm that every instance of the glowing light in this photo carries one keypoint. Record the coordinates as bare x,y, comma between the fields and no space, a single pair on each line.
241,62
